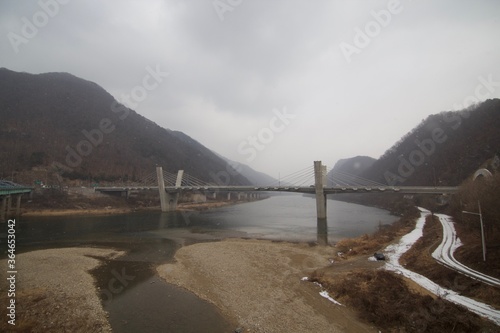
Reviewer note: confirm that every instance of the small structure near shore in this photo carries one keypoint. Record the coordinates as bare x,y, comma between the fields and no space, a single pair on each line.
10,191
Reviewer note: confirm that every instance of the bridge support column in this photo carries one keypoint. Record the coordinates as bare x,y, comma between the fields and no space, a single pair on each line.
228,196
18,204
322,230
161,189
319,178
178,181
172,199
4,207
9,204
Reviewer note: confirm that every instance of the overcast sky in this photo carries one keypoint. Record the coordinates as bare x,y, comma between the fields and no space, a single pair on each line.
273,84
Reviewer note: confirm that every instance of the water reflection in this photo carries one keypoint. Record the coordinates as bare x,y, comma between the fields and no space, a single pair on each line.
141,299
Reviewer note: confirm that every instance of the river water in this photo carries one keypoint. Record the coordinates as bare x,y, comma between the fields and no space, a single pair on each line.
137,300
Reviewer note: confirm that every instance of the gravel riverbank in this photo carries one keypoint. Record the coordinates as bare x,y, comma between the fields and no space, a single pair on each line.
258,284
54,291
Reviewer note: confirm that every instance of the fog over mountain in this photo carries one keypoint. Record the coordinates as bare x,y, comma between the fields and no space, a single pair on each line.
355,75
72,127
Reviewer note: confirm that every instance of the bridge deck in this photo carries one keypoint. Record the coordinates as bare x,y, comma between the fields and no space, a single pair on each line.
309,189
8,188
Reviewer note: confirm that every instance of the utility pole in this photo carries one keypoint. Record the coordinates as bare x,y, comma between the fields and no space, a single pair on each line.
482,228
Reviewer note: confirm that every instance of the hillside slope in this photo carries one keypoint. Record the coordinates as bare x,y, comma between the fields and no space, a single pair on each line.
58,123
444,149
349,168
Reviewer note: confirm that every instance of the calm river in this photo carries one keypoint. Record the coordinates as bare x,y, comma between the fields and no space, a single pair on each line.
146,303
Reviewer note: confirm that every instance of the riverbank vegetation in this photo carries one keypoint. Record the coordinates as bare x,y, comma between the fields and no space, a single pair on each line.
419,259
368,244
85,201
484,192
394,303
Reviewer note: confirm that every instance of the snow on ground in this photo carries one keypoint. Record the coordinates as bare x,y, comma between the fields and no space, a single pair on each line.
444,253
323,292
395,251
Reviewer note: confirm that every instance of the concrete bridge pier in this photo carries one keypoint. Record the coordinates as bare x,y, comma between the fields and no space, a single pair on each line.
168,200
319,179
172,200
18,204
322,231
6,206
3,212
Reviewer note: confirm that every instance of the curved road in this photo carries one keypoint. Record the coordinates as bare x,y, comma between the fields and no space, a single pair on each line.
444,253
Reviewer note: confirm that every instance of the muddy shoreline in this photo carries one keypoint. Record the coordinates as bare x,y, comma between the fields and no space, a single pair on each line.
123,210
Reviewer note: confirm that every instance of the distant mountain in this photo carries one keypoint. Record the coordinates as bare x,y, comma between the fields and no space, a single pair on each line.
58,124
350,168
255,177
444,149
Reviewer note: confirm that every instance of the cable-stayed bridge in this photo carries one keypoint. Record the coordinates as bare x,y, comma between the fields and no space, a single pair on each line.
313,180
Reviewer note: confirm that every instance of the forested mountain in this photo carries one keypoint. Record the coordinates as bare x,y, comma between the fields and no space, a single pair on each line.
56,123
349,167
444,149
255,177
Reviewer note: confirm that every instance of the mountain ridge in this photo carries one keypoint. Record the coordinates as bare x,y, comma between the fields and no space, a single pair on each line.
444,149
74,129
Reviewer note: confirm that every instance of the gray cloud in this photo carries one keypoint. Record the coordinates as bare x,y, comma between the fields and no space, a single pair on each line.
227,76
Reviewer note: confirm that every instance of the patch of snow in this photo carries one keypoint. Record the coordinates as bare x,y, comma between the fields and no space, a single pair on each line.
444,253
395,251
305,278
372,258
325,294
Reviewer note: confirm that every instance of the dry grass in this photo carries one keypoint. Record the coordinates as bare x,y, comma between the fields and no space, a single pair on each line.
391,303
368,244
471,252
384,299
419,259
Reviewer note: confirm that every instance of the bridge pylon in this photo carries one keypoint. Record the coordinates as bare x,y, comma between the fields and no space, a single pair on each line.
168,200
161,189
320,180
